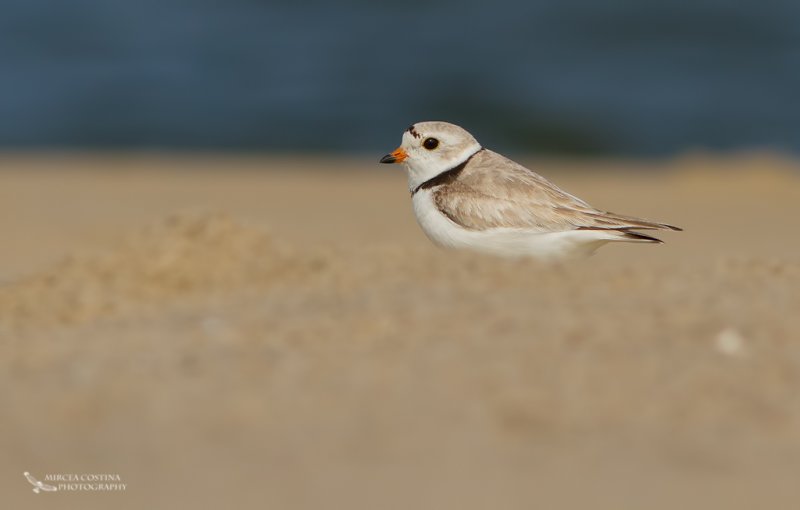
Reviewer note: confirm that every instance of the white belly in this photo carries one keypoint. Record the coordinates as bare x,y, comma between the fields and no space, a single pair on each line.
508,242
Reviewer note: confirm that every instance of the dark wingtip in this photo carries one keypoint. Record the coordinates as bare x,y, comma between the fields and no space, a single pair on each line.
641,237
627,234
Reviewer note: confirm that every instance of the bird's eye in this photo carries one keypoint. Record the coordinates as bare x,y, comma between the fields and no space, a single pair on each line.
430,143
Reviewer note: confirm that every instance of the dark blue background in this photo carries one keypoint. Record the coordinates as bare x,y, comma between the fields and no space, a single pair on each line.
574,76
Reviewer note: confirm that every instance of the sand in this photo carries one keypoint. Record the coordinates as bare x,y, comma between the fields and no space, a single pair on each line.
276,332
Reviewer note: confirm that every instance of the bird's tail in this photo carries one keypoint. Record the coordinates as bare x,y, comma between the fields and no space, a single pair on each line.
624,234
630,235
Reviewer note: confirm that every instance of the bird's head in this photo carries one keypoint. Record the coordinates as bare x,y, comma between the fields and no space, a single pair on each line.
430,148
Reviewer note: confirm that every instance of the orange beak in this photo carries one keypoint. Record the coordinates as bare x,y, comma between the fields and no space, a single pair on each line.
397,156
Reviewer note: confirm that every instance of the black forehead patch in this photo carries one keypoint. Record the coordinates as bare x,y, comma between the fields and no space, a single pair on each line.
413,131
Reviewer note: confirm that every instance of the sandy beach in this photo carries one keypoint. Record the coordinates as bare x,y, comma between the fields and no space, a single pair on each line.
277,332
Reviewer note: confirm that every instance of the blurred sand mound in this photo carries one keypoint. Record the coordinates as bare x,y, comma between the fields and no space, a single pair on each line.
177,258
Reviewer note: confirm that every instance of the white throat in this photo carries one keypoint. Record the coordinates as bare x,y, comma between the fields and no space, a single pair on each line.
420,173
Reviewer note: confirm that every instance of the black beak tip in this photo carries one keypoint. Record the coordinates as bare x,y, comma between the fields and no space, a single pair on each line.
388,159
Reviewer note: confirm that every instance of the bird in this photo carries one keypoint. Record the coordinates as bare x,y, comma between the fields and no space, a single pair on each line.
468,197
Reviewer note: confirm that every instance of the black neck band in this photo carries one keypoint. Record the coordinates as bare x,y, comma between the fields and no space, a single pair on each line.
445,177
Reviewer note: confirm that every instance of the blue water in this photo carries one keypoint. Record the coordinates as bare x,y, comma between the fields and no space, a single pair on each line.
569,76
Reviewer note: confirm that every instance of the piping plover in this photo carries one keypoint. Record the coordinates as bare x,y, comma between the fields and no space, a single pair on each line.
466,196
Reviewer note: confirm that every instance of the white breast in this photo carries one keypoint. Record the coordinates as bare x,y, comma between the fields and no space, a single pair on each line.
509,242
438,227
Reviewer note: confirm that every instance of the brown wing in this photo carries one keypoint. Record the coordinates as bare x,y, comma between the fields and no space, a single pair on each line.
493,191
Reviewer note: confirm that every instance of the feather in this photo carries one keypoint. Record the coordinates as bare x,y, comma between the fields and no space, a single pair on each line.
492,191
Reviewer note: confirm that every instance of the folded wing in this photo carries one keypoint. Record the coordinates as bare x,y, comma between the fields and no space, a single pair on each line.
495,192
